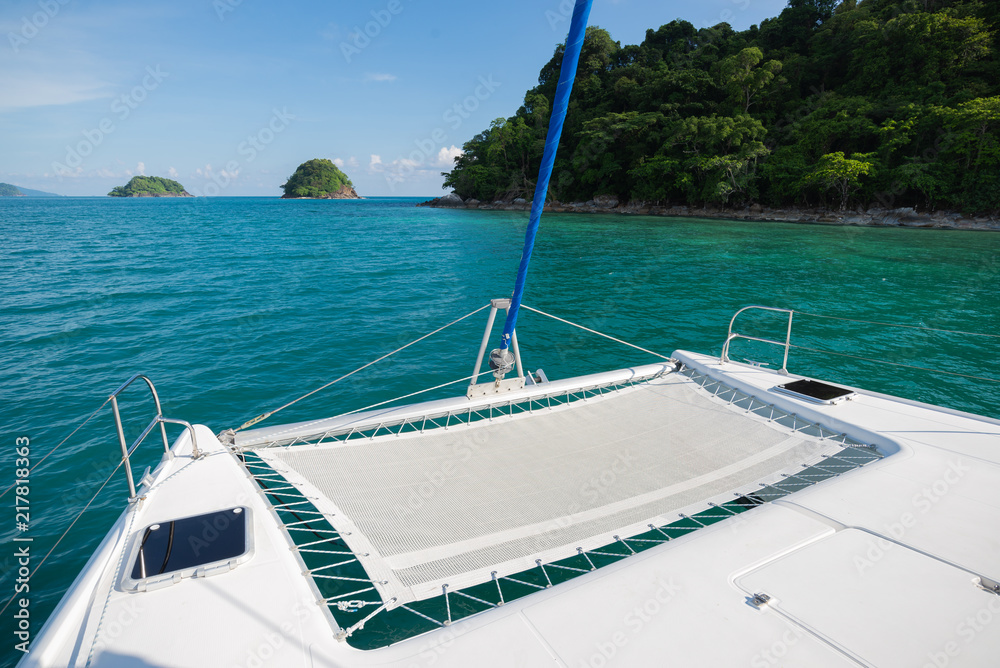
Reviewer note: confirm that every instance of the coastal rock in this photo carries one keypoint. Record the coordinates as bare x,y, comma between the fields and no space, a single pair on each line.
345,192
872,217
472,203
606,201
450,200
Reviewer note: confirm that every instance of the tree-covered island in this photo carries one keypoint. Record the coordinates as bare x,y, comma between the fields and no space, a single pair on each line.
840,105
318,179
150,186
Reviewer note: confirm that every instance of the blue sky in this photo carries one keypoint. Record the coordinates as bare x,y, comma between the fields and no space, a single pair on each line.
229,96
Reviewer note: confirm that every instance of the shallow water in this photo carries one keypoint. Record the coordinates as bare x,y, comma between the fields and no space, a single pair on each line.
235,306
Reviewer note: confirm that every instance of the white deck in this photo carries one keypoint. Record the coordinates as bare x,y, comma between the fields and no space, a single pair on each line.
877,567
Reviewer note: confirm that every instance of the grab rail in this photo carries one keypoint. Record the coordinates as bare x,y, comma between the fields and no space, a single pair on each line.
158,419
787,344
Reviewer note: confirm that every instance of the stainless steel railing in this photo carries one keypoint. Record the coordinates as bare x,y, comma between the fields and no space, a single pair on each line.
158,419
786,344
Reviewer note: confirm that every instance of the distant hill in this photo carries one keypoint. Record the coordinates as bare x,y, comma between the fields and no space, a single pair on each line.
833,103
318,179
8,190
150,186
28,192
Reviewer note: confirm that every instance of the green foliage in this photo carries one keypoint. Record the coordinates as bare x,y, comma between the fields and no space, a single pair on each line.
744,80
315,178
885,102
148,186
7,190
836,172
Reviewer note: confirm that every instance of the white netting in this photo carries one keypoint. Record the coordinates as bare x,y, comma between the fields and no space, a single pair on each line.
451,506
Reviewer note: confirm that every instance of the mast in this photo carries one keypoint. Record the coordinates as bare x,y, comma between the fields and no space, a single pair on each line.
567,74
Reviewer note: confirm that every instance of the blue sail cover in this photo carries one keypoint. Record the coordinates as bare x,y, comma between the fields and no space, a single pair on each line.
567,74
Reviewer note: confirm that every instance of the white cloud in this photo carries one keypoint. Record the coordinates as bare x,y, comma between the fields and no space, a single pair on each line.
352,162
172,173
380,76
207,172
30,90
141,169
446,156
339,162
375,163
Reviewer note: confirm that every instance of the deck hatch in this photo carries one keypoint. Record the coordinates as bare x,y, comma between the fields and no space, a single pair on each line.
814,391
183,546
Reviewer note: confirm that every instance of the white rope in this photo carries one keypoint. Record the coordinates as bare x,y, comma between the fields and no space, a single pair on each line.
264,416
594,331
114,579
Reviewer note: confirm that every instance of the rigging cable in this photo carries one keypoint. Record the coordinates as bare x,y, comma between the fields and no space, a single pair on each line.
890,324
39,462
264,416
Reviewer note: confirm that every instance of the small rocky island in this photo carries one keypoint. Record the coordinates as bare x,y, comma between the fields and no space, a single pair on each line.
150,186
319,179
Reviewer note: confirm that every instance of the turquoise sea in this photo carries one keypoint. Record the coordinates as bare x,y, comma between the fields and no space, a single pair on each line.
234,306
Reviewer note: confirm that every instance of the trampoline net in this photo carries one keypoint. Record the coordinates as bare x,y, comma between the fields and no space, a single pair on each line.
454,506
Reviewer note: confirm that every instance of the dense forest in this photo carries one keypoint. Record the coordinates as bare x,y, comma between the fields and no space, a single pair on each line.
317,178
836,104
149,186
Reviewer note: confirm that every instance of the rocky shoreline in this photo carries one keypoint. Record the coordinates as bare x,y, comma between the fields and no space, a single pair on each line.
872,217
183,193
346,192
